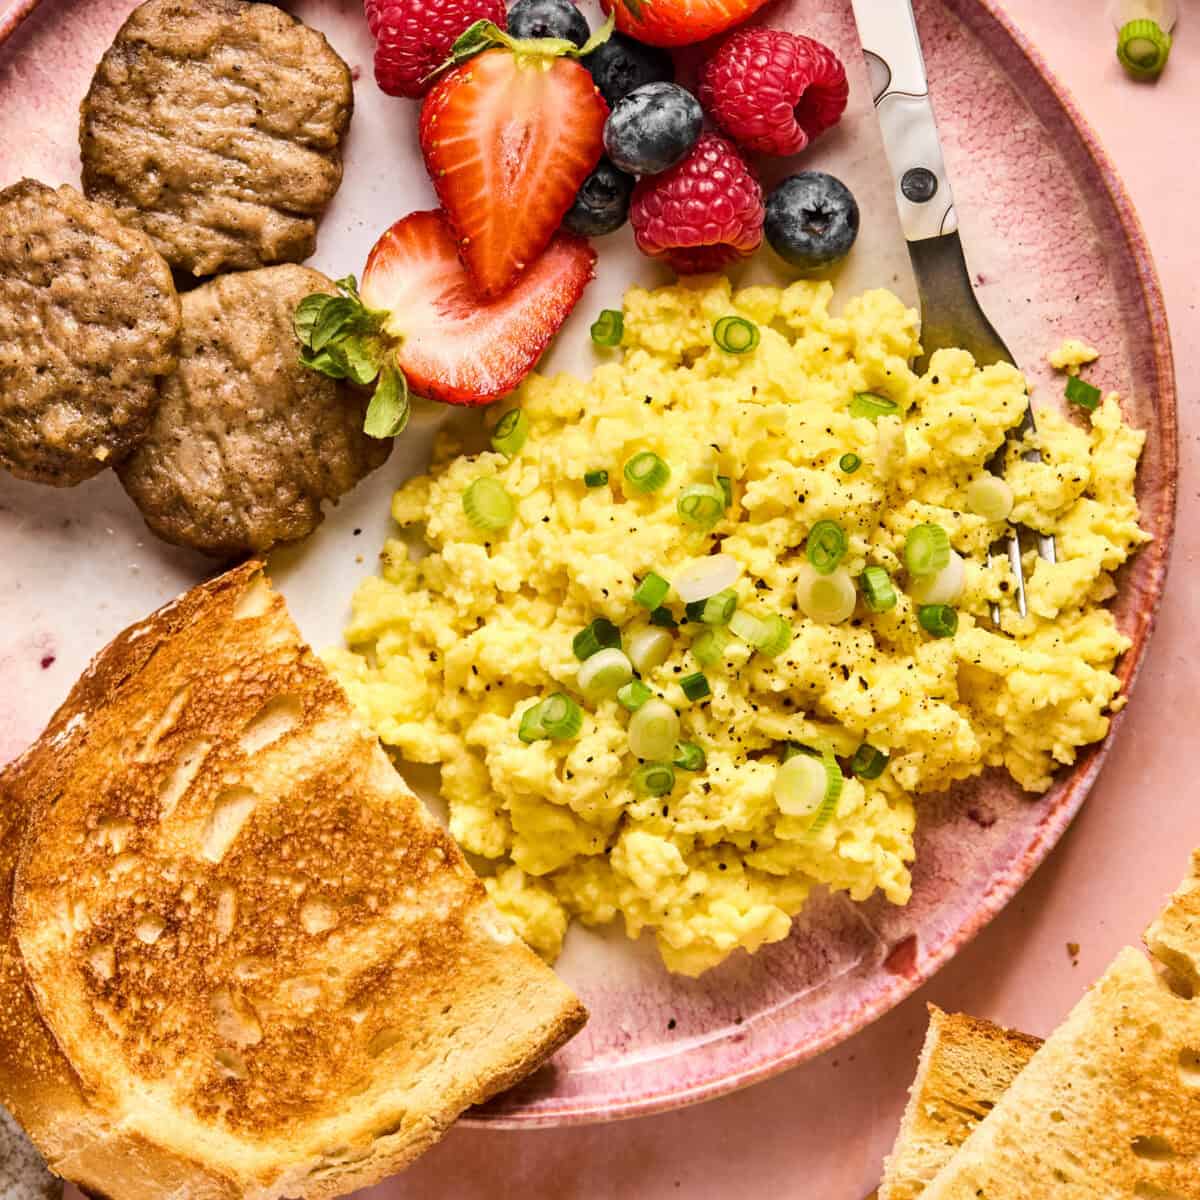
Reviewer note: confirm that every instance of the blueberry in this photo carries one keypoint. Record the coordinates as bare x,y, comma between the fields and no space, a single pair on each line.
812,220
603,202
548,19
621,64
652,128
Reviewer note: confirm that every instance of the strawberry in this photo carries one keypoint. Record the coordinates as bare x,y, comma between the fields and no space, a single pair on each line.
420,324
509,137
679,22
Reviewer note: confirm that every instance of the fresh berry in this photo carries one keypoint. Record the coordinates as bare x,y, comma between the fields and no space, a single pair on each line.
602,205
620,64
652,128
508,141
413,37
812,220
773,91
453,347
679,22
703,213
548,19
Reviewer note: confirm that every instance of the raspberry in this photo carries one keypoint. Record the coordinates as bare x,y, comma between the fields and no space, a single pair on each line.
413,37
773,91
703,213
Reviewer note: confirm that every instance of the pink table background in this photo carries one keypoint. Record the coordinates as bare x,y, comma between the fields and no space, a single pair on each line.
822,1129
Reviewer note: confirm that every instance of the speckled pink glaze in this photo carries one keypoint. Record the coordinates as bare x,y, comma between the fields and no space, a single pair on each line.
1057,250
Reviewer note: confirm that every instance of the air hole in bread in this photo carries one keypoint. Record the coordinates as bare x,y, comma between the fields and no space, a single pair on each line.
394,1126
1189,1067
231,811
317,916
231,1065
164,724
1057,1116
180,777
113,833
103,960
149,929
234,1019
274,719
255,599
383,1041
1153,1147
226,911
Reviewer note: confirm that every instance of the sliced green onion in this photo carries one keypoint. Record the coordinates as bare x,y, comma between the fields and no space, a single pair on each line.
779,636
926,549
849,463
990,497
877,589
701,505
735,335
709,648
946,587
604,672
695,687
653,779
868,762
511,432
649,648
664,618
704,577
834,783
532,729
488,506
599,634
749,628
791,749
646,472
633,695
1143,48
940,620
608,328
717,610
827,599
826,546
560,717
595,479
872,406
1083,393
653,731
652,591
806,786
726,486
689,757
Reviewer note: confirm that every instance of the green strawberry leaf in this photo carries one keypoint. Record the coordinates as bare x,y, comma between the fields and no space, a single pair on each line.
485,35
338,318
363,358
329,361
387,414
308,312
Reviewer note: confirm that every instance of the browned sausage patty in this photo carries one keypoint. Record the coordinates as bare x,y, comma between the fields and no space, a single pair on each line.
89,324
247,443
215,125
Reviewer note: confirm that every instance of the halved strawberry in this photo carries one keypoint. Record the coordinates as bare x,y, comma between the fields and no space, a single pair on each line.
508,139
679,22
452,345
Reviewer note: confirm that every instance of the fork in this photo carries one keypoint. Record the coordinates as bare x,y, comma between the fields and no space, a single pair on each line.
950,311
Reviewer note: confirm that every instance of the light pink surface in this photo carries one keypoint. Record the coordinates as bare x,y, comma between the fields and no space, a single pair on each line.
822,1129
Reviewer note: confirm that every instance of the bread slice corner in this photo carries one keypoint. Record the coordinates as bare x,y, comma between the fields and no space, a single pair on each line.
1174,935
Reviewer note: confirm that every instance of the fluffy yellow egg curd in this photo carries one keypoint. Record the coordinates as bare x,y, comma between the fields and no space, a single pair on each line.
450,650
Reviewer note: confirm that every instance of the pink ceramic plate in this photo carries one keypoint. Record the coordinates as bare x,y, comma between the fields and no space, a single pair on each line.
1056,250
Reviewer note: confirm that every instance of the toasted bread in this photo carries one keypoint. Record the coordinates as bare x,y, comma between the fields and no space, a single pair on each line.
264,964
966,1065
1174,936
1110,1105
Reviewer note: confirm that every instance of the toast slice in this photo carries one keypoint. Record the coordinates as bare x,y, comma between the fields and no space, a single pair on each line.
261,961
1174,936
966,1065
1109,1107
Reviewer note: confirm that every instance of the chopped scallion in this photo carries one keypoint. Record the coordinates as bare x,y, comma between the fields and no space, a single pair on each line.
608,328
595,479
604,672
990,497
633,695
511,433
649,648
646,472
826,546
599,634
653,779
877,589
726,485
664,618
827,599
695,687
849,463
560,717
652,591
717,610
868,762
701,505
689,757
1082,393
488,506
872,406
808,786
704,577
926,549
653,731
770,635
939,620
709,648
531,729
735,335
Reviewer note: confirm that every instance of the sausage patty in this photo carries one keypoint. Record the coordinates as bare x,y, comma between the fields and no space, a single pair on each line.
215,125
89,324
247,443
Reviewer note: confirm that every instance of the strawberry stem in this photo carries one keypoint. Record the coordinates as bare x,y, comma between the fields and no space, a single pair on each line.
486,35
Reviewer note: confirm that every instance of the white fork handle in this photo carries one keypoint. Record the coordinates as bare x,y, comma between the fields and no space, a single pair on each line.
910,137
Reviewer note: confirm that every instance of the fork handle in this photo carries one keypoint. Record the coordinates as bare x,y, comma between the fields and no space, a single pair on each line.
900,89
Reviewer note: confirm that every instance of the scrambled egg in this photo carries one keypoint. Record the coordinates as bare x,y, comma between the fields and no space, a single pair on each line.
449,648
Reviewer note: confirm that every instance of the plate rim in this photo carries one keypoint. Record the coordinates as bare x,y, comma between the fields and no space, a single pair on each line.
1082,777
